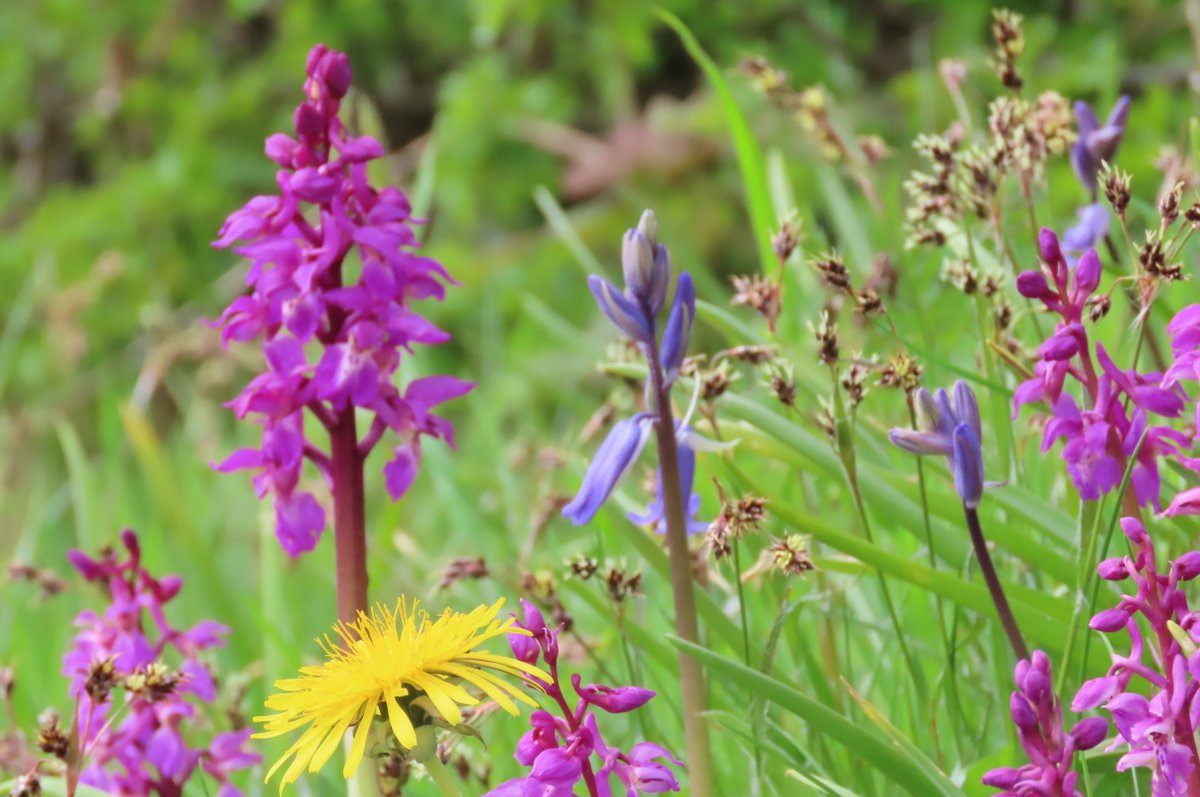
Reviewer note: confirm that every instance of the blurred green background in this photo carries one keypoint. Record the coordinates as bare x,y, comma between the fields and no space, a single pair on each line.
528,134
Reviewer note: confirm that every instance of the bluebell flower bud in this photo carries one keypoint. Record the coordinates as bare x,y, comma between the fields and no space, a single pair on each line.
626,315
679,327
966,408
968,466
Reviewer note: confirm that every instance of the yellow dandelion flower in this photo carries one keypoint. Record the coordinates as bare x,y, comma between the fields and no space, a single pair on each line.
384,662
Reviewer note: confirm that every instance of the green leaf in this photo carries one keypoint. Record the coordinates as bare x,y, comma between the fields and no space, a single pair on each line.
749,154
915,774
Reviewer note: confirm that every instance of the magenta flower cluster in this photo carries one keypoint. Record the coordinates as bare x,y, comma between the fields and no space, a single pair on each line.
1156,729
332,330
146,753
1038,717
563,750
1114,425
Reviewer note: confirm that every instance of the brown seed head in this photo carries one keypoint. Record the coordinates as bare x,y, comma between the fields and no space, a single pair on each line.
903,372
1116,187
101,678
463,570
1168,204
789,555
827,338
833,272
1098,306
153,683
52,739
760,294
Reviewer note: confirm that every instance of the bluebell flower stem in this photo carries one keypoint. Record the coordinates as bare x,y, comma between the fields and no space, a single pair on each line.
349,522
993,584
691,677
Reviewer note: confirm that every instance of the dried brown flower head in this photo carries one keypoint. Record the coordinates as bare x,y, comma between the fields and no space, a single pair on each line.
101,678
903,372
153,682
1098,306
785,240
782,381
1168,204
833,272
1010,43
463,570
755,355
855,383
52,739
760,294
1115,184
827,337
789,555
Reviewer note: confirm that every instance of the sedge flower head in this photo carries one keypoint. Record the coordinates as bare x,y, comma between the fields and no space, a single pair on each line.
382,665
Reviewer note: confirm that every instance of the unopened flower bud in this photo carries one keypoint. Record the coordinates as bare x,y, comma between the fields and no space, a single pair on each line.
1187,566
1049,248
1089,732
1002,777
1110,620
1113,569
1023,715
614,700
1087,273
1134,530
1032,285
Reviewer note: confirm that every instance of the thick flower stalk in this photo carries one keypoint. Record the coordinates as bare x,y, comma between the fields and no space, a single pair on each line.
952,427
1156,722
396,664
1037,714
1097,144
333,274
146,752
1114,423
562,751
635,312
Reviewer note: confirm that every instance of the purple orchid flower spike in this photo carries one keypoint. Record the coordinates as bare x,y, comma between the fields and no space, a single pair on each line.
334,272
1097,143
1155,728
1037,714
144,743
568,751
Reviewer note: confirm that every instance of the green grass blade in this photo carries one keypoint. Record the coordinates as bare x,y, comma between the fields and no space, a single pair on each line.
914,774
749,154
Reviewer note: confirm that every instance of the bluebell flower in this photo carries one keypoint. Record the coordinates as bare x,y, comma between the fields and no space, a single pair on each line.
613,460
1089,231
634,312
950,427
654,514
1097,143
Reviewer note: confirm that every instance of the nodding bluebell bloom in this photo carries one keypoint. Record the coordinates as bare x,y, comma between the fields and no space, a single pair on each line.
1097,143
654,515
613,460
634,312
950,427
1089,231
